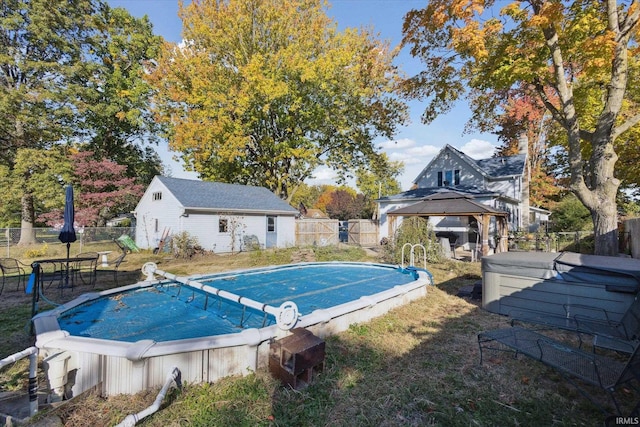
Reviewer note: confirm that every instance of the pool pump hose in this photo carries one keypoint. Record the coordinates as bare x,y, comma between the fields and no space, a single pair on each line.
174,377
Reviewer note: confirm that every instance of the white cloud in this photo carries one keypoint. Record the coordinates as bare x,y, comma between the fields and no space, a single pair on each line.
413,157
424,151
323,173
478,149
398,144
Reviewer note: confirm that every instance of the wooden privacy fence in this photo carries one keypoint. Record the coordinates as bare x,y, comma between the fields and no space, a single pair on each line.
323,232
363,232
632,227
319,232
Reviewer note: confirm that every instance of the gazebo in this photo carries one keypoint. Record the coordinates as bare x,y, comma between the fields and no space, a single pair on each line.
457,204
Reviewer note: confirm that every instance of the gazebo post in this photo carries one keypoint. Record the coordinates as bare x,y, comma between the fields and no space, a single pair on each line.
504,237
392,226
486,219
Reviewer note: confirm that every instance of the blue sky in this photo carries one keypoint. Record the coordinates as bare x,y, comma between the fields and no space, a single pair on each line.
415,144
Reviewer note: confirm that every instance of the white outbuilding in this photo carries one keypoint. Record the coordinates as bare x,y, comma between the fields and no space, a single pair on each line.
222,217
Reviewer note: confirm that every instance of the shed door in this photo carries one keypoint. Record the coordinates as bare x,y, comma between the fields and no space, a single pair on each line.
272,232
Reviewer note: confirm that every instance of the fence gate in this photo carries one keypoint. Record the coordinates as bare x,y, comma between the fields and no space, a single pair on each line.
320,232
363,232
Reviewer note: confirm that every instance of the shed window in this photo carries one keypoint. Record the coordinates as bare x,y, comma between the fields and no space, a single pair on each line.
223,225
157,195
271,224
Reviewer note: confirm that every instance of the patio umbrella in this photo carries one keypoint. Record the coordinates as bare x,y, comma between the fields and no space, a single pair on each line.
68,233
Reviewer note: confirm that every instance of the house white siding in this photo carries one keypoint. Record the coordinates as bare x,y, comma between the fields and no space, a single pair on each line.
511,187
286,231
154,216
206,228
222,217
383,230
202,227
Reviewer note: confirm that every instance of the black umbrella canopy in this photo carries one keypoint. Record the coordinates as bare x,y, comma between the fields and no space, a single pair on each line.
68,233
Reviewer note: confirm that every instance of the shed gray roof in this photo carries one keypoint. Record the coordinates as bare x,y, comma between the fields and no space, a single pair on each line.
194,194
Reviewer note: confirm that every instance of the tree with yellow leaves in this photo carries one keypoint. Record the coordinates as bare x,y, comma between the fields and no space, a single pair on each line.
262,92
579,58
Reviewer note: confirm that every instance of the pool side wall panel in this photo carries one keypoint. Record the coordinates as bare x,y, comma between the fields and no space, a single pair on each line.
123,376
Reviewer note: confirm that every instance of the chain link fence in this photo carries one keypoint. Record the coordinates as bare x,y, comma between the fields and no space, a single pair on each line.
90,239
573,241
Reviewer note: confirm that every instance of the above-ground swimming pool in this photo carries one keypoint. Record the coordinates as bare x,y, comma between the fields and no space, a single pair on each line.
209,326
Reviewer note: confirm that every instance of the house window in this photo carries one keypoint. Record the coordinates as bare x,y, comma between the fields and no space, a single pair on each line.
223,225
157,195
448,177
156,227
271,224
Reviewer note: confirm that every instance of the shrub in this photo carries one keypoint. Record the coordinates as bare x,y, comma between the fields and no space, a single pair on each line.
570,215
36,253
412,231
184,245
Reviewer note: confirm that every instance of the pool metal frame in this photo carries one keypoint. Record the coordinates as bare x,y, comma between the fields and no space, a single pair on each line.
77,364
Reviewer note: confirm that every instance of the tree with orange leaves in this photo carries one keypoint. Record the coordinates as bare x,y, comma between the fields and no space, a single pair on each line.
578,58
524,115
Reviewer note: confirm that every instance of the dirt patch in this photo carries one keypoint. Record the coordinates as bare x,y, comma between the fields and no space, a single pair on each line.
303,255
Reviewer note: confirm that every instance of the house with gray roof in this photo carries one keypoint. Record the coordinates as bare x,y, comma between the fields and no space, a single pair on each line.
222,217
501,183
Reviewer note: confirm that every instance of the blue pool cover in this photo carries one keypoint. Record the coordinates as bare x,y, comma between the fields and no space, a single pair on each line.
171,311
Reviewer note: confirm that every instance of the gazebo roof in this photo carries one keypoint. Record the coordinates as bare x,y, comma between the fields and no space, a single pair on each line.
447,204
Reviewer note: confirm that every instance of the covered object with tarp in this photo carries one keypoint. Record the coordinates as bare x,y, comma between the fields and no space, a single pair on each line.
558,283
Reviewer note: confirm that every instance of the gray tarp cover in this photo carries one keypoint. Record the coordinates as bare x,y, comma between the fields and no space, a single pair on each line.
616,273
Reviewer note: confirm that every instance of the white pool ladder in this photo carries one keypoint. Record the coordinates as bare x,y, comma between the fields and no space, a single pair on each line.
412,254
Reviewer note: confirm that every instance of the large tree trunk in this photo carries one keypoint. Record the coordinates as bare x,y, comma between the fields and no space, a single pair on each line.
605,227
27,233
600,197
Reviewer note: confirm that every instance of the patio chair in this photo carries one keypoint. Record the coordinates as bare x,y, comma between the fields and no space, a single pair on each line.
621,335
10,268
116,262
605,373
52,272
85,267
